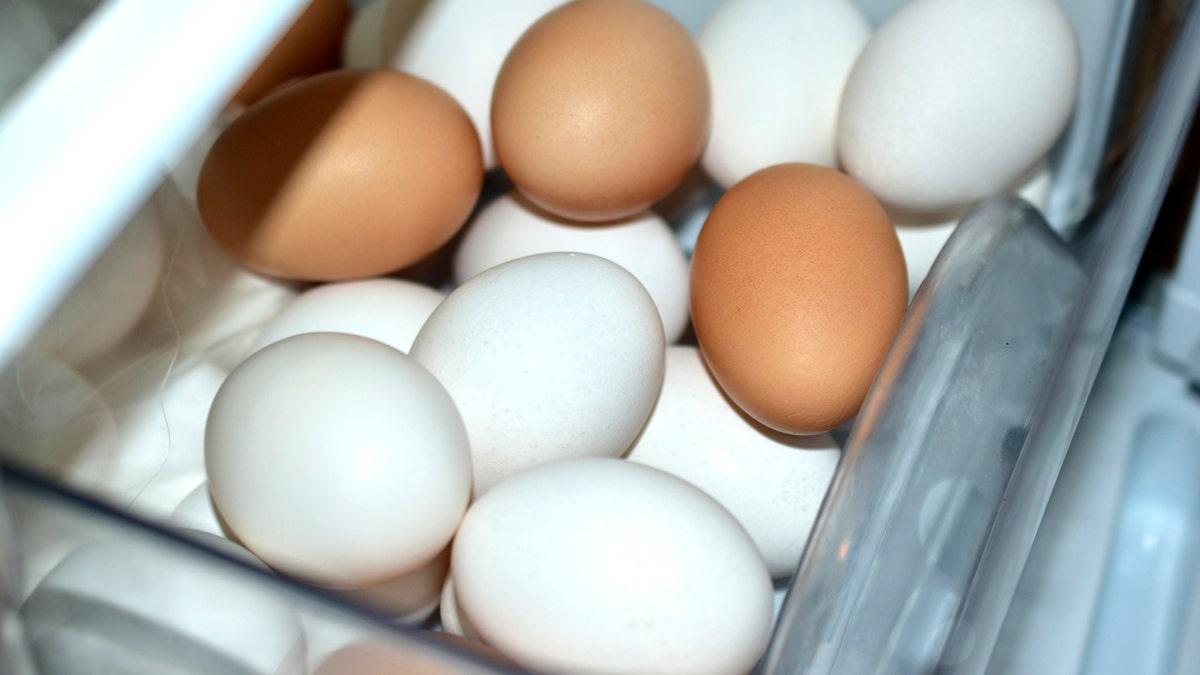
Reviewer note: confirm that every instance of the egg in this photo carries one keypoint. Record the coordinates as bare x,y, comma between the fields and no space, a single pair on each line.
923,241
510,228
454,621
772,483
409,599
103,606
311,45
606,566
345,175
777,70
459,45
798,285
952,101
601,108
549,356
113,295
391,311
337,459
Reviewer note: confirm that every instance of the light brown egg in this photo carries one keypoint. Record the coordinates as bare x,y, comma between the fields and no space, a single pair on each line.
347,174
311,45
798,286
601,108
372,657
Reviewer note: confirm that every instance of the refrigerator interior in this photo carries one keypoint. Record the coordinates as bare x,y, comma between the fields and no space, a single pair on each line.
924,558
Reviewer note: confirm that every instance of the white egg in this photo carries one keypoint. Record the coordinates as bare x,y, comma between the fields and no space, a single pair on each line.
453,619
391,311
55,422
124,607
112,296
196,512
771,482
362,46
777,69
337,459
607,566
409,599
954,101
921,242
549,356
460,45
511,228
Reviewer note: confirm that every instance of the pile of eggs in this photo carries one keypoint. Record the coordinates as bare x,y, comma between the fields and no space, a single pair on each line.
595,445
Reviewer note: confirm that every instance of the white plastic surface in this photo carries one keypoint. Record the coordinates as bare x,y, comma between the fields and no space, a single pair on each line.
93,130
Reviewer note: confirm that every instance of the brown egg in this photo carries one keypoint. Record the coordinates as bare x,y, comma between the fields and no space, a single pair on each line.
313,44
347,174
372,657
601,108
798,286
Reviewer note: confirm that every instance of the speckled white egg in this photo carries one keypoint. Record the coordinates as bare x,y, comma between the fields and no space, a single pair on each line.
460,45
606,566
511,228
549,356
777,69
772,483
391,311
953,101
337,459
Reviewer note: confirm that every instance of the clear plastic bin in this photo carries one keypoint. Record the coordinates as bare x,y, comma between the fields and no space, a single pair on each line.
945,473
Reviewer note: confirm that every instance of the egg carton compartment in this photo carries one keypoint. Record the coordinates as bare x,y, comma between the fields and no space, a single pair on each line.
943,476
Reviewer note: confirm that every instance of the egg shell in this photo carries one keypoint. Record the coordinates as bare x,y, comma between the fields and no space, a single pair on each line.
511,228
601,108
106,304
777,70
116,606
549,356
337,459
772,483
409,599
391,311
454,621
459,45
798,286
603,565
310,45
923,241
344,175
954,101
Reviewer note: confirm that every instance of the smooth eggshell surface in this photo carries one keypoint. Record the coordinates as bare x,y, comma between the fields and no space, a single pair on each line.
798,286
310,45
923,241
777,69
337,459
125,607
953,101
344,175
548,356
459,45
106,304
391,311
771,482
604,565
601,108
510,228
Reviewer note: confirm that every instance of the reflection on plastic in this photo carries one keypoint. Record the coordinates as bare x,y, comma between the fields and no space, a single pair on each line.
1154,556
926,468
